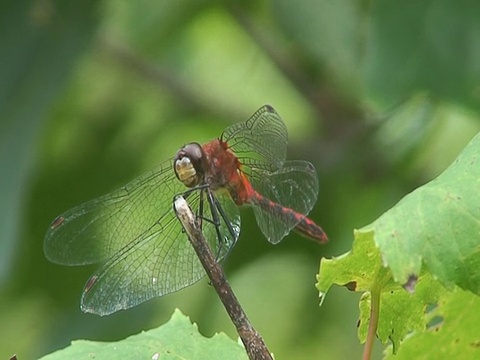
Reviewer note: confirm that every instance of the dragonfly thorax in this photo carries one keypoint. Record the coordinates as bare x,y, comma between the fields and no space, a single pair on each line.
188,164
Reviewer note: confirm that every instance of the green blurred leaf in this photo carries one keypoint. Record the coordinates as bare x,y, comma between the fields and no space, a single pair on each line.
424,46
177,339
40,42
148,25
400,48
330,31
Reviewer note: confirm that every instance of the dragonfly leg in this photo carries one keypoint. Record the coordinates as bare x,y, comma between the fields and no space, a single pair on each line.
214,204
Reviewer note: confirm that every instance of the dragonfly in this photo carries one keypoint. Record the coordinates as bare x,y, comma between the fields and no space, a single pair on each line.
135,234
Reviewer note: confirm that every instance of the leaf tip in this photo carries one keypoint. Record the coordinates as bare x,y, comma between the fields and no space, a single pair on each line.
321,296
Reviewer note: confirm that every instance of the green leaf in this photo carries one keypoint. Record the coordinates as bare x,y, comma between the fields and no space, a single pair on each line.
400,312
359,269
362,270
453,334
437,225
177,339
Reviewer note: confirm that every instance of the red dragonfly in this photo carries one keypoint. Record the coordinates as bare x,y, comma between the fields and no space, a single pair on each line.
134,230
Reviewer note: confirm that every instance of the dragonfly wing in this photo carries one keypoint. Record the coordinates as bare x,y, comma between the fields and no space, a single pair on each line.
261,141
159,261
295,186
96,230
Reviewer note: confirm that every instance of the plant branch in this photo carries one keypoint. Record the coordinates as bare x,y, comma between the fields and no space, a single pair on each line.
253,342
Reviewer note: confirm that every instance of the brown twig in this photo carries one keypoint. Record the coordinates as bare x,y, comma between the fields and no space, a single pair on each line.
253,342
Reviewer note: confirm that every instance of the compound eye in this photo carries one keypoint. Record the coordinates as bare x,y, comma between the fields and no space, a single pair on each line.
188,164
194,152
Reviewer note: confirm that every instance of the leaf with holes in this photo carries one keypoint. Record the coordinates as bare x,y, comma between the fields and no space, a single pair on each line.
430,238
452,332
361,270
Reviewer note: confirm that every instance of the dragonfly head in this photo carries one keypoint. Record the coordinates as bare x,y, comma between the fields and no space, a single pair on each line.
189,164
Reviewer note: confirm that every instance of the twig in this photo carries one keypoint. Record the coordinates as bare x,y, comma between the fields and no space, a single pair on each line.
253,342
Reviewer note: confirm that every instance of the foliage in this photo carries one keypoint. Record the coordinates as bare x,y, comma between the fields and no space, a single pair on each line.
166,342
436,226
380,96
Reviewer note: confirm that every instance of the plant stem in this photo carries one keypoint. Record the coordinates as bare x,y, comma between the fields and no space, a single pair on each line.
253,342
373,323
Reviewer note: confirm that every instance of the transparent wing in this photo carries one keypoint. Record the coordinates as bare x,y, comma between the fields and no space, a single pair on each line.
261,141
96,230
160,261
294,187
288,189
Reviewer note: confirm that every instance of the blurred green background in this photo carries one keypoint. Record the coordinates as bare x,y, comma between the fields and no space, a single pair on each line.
379,95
